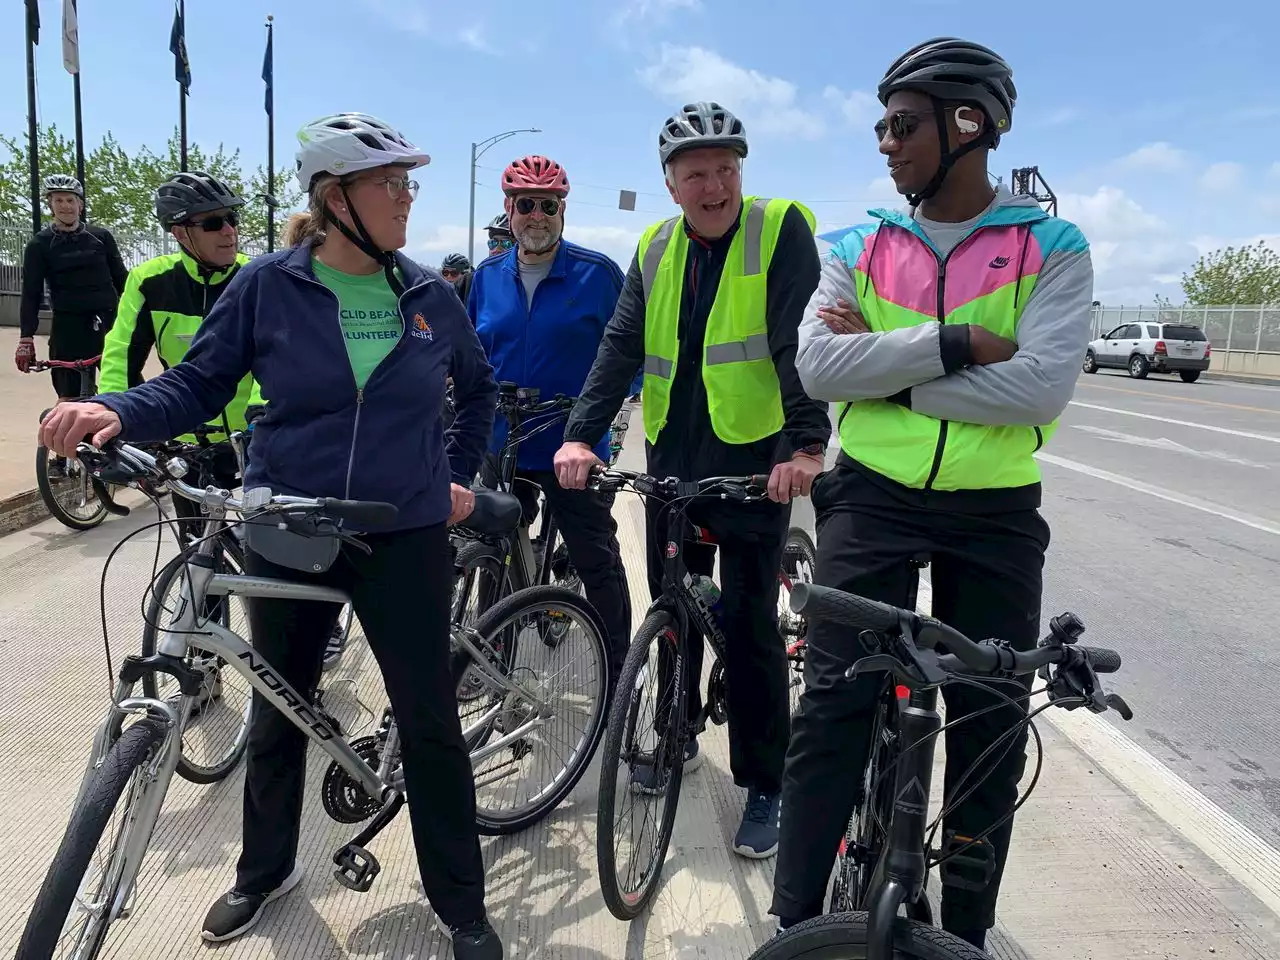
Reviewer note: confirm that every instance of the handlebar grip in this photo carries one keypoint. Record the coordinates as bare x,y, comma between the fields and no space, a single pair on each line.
1101,659
760,480
847,609
368,512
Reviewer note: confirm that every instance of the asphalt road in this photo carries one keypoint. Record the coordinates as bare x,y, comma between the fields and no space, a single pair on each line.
1164,500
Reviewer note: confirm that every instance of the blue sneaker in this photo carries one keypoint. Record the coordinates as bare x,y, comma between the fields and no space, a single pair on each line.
650,779
757,837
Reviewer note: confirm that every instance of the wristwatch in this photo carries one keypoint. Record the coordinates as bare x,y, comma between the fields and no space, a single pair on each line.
818,450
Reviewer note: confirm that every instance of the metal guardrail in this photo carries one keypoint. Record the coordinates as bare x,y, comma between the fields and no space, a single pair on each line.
135,248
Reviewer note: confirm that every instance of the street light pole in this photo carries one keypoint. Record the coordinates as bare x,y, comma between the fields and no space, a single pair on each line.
477,151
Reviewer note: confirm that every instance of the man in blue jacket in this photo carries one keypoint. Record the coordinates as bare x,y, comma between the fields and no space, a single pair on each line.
540,310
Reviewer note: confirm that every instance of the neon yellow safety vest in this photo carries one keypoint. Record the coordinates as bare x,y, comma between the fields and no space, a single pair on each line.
744,397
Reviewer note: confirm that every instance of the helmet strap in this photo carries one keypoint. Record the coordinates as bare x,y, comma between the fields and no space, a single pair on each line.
206,269
949,156
360,237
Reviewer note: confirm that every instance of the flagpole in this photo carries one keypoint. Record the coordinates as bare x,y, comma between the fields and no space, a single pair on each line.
269,72
75,79
182,93
33,155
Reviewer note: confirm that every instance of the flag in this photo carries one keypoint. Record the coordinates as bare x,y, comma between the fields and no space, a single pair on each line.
70,37
267,72
33,20
178,47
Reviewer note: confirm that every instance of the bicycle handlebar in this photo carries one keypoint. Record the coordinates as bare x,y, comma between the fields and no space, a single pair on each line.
40,366
125,463
909,632
742,489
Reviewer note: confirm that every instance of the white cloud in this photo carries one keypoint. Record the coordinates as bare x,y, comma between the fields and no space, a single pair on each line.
766,104
474,37
1155,156
857,107
1275,170
1058,117
652,9
618,242
1136,254
1224,177
884,190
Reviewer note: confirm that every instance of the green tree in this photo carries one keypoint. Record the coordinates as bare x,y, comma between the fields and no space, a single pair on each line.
1245,275
120,186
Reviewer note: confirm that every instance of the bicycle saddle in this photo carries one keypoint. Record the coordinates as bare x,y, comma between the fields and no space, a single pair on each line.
495,515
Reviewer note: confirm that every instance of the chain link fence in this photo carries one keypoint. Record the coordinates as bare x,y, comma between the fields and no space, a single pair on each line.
1235,328
135,248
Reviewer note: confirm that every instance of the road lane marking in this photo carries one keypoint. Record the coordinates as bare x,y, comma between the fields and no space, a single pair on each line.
1248,520
1164,443
1248,435
1153,396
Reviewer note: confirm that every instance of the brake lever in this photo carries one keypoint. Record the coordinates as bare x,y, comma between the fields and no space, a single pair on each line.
1075,679
354,541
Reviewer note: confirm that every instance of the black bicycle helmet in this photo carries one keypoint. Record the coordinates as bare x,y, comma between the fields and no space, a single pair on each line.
701,124
456,261
499,226
187,195
62,183
951,69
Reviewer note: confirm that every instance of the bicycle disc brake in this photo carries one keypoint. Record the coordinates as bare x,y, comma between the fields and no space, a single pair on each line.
718,695
344,799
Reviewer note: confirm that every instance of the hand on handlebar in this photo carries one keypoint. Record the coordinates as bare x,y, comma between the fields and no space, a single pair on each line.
573,464
794,478
69,423
25,354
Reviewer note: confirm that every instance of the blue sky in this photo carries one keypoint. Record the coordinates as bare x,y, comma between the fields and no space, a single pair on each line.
1157,123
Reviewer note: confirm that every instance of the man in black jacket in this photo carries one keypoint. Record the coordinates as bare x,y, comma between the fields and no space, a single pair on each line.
721,396
86,275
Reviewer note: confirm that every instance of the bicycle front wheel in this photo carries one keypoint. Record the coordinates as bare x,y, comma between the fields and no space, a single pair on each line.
799,560
642,767
77,902
545,721
217,730
67,492
844,937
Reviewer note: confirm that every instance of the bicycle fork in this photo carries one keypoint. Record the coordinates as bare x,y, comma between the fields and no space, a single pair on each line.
905,866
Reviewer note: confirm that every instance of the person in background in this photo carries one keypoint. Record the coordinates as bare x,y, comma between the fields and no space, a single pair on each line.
500,237
540,310
457,269
351,342
86,276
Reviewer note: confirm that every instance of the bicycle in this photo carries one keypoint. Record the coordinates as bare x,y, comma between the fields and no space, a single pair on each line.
64,485
660,649
799,561
136,760
893,848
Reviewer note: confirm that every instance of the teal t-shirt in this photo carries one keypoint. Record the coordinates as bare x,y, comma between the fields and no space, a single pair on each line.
370,312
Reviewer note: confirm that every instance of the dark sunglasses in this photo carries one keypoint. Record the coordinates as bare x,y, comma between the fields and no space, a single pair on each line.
215,224
550,205
901,125
501,243
450,274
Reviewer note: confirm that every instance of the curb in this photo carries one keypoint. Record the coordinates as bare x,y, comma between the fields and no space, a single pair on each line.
1243,378
20,511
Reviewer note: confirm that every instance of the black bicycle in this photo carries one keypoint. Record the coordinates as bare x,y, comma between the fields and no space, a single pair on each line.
64,485
893,849
642,766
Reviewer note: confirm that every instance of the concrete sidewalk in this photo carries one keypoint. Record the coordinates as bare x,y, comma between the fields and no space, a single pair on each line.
1110,860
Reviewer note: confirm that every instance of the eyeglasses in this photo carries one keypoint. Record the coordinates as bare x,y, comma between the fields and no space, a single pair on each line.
450,274
216,223
395,186
901,124
501,243
550,205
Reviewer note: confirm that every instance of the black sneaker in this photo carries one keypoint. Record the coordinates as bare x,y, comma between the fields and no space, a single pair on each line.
473,941
235,914
334,647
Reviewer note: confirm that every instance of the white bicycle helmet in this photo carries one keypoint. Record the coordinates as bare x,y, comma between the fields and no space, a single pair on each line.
346,143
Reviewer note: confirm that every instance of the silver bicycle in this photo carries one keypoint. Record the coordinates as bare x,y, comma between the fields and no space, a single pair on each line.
94,877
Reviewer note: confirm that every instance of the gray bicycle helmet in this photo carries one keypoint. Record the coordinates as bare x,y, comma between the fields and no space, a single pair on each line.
500,226
456,261
948,68
698,125
62,183
187,195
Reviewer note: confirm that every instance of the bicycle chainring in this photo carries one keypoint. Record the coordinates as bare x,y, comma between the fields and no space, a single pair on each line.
718,695
344,799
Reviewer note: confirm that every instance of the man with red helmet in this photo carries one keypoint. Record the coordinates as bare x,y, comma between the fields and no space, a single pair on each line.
540,309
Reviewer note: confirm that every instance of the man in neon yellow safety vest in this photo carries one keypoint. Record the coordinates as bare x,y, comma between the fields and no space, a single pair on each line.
710,311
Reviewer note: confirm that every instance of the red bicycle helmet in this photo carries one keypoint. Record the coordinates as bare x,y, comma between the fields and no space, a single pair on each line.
535,173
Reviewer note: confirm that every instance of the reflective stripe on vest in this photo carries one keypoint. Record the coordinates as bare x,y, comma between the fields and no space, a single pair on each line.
744,398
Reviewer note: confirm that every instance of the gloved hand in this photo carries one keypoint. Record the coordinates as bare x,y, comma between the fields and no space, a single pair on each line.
25,355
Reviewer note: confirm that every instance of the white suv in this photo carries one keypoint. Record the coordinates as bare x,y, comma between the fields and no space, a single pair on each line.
1142,348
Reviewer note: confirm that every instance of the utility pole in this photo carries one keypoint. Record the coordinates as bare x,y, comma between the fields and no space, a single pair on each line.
477,151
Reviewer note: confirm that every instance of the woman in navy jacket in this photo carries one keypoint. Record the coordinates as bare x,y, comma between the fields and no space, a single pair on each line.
351,345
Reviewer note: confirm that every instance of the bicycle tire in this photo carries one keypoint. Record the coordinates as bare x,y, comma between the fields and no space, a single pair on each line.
530,602
844,937
89,820
627,905
187,769
44,483
472,557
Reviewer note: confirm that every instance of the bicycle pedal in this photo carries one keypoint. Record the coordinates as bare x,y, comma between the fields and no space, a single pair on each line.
357,868
970,870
